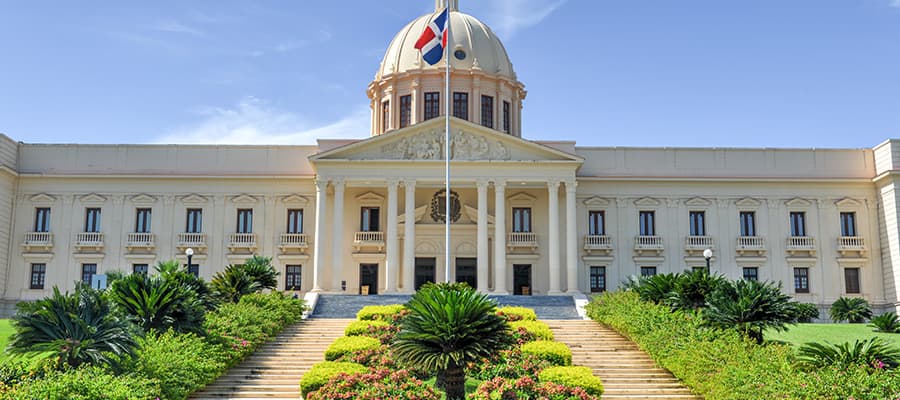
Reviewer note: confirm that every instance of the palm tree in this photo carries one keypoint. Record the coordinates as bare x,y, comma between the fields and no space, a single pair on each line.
233,283
74,328
158,302
173,271
852,309
261,271
657,288
448,326
691,289
750,307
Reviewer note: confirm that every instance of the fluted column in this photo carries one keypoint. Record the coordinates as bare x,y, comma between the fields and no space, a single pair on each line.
482,260
392,263
500,237
571,239
318,255
337,240
409,237
553,222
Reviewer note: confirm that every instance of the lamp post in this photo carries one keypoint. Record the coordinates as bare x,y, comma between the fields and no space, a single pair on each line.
190,254
707,254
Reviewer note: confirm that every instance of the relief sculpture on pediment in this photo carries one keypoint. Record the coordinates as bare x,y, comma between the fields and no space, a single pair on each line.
430,146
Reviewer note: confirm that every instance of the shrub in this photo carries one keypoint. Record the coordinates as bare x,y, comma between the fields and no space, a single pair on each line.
574,377
381,313
380,358
322,372
555,352
251,322
805,312
656,288
158,303
750,307
852,309
361,328
86,383
527,389
887,322
350,344
376,385
182,363
509,364
538,330
692,289
872,352
511,313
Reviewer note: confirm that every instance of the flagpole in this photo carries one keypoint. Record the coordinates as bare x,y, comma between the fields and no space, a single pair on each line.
447,151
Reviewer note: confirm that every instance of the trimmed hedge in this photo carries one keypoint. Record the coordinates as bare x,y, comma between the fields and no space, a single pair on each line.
380,313
723,365
361,328
322,372
538,329
575,377
512,313
350,344
555,352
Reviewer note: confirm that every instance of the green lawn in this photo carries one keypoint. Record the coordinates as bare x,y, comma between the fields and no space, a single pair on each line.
5,330
833,333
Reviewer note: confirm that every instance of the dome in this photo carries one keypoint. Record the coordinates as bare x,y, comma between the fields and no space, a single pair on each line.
473,45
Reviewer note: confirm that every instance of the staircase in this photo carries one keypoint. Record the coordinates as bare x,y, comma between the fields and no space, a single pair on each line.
274,370
346,306
626,371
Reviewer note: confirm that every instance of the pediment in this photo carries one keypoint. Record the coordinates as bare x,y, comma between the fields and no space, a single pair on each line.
697,202
748,202
244,199
370,199
295,199
521,199
92,198
472,213
597,202
425,142
798,202
647,202
143,199
194,199
42,199
419,213
848,202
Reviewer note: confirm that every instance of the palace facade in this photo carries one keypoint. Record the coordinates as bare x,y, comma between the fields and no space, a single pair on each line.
527,217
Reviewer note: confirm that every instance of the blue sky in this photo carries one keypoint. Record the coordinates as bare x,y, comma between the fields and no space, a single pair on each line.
718,73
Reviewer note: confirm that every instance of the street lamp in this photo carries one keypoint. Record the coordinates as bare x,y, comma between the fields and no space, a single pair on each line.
707,254
190,254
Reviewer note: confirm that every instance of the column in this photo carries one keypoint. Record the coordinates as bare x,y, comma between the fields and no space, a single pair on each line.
553,222
409,237
482,260
337,233
319,252
571,239
414,117
391,265
500,237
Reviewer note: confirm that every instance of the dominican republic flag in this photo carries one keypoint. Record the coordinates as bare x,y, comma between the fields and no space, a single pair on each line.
431,47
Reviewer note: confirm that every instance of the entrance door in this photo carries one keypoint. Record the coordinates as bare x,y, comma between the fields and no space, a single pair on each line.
368,279
425,270
465,271
522,279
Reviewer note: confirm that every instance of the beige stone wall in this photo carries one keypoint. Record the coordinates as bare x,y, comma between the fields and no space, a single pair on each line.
9,151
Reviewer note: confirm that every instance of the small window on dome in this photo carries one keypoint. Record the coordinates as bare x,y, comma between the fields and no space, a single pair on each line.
460,54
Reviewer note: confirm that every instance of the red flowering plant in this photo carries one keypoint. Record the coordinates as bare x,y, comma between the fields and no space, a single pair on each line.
380,358
375,385
509,364
527,388
383,333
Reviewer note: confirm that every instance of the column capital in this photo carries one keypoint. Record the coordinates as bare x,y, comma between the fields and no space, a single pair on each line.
392,182
482,183
409,183
339,181
571,186
553,184
321,184
499,184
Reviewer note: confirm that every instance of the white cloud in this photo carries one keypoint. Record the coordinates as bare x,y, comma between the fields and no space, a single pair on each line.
895,3
514,15
254,121
173,26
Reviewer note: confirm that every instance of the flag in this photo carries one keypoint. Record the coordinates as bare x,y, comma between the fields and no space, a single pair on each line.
431,47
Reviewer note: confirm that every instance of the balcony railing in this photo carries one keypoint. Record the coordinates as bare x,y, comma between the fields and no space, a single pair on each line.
698,242
363,240
242,241
849,244
601,243
750,244
140,240
37,240
191,240
516,240
797,244
293,242
88,241
648,243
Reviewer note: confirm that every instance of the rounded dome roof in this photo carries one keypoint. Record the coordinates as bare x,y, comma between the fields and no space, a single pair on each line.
481,49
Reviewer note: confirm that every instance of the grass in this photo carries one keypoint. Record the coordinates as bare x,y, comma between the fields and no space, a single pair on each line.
5,330
471,385
832,333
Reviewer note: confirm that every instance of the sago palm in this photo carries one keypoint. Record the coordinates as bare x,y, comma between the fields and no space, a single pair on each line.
887,322
233,283
448,326
852,309
158,302
74,328
261,271
657,288
691,289
750,307
872,352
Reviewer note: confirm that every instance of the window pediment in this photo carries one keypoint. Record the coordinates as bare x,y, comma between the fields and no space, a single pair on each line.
244,199
697,202
143,199
42,199
748,202
647,202
92,199
195,199
370,199
798,202
521,199
295,200
848,202
597,202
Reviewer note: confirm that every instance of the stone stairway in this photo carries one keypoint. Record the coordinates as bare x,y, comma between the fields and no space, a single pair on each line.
274,371
626,371
346,306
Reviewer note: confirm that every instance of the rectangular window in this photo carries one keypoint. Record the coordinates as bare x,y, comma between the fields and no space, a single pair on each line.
245,220
194,220
385,116
698,223
848,224
194,269
751,273
87,272
432,105
521,219
506,116
142,220
598,279
487,111
405,110
292,275
648,225
140,269
38,275
851,280
42,219
798,224
596,223
370,219
748,223
92,220
295,221
801,280
461,105
648,271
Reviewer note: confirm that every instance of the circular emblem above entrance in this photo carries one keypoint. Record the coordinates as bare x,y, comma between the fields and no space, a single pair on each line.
438,206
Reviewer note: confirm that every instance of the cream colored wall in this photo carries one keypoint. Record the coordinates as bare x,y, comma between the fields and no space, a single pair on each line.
9,160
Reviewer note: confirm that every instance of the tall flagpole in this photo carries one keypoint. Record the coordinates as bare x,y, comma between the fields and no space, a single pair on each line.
447,151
